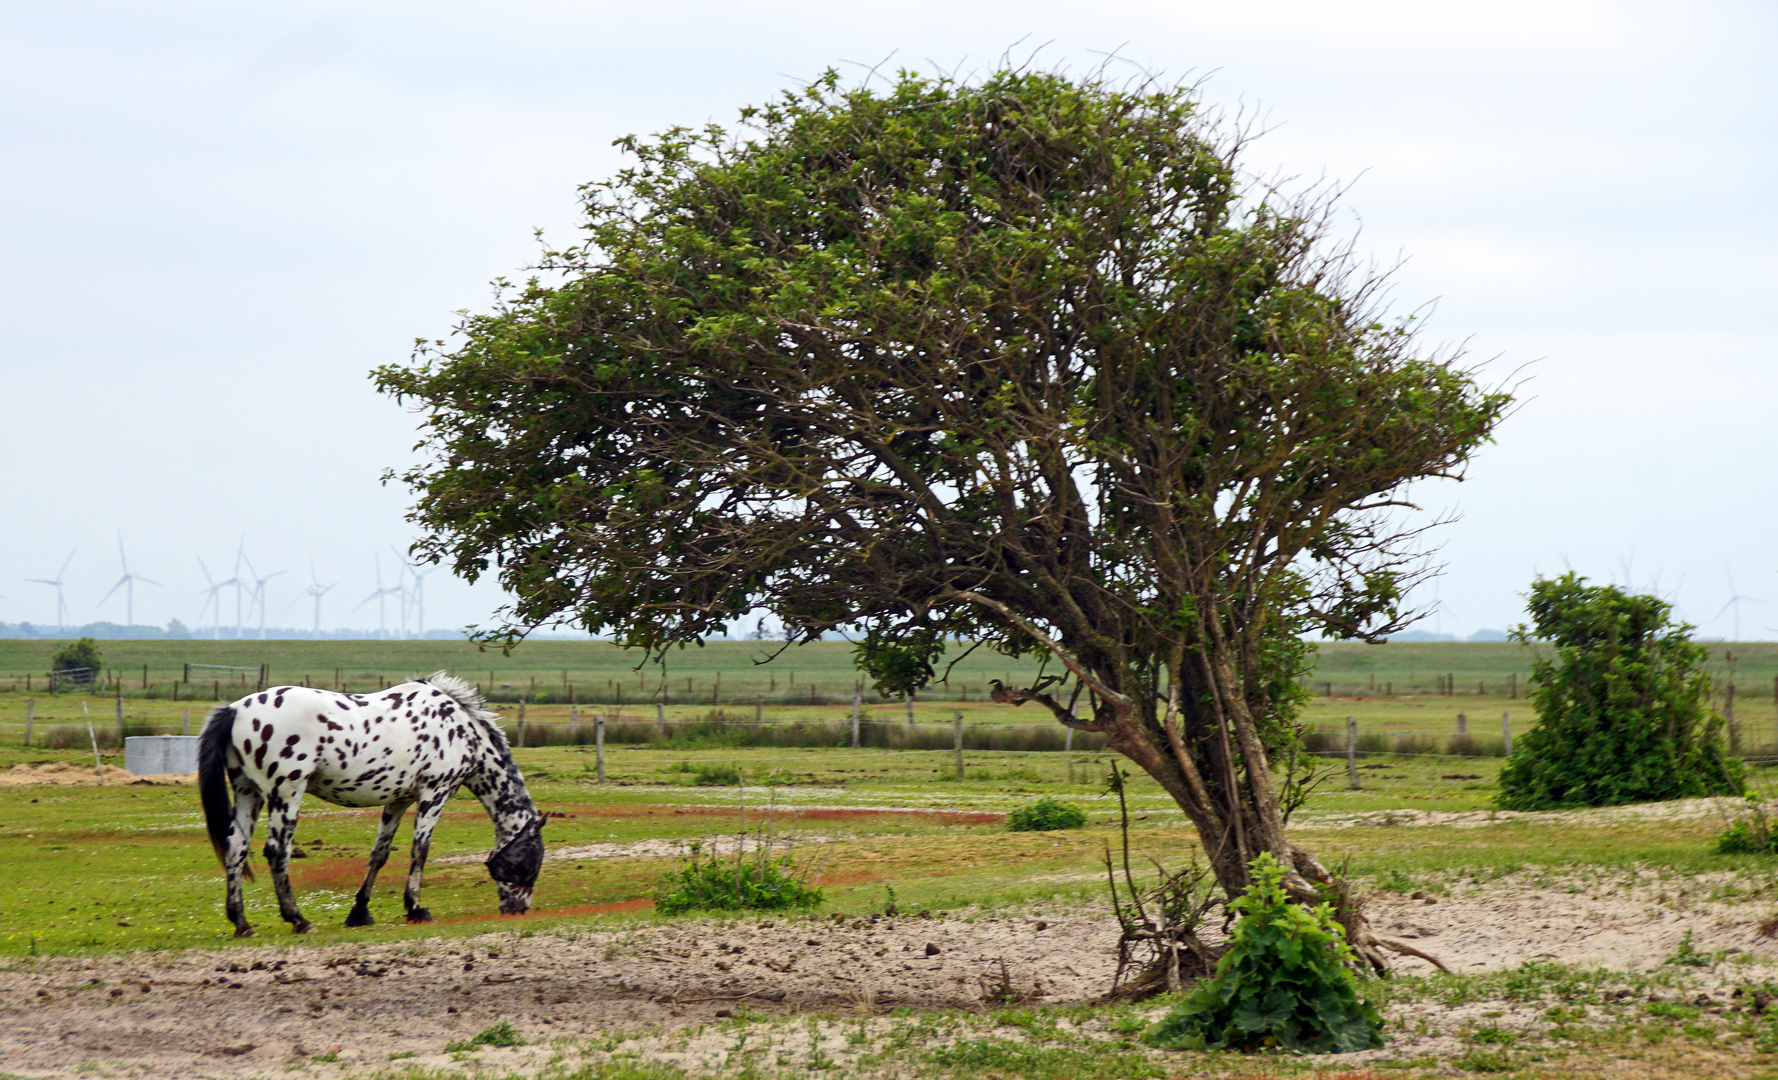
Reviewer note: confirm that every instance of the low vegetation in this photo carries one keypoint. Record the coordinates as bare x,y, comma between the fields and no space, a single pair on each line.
1044,815
1285,983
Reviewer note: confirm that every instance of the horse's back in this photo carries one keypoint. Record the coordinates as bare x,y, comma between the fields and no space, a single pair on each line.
358,749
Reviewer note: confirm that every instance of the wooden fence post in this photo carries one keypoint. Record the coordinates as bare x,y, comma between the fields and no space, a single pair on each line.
93,737
1506,732
907,699
716,690
1352,753
30,719
1728,714
1462,724
599,745
957,739
759,710
520,734
573,723
144,676
857,701
185,722
119,712
1512,685
660,719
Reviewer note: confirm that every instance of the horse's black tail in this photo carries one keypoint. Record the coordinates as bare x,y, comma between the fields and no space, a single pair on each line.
213,790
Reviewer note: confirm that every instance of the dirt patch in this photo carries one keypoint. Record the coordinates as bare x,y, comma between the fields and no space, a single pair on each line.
1676,810
667,989
75,774
247,1011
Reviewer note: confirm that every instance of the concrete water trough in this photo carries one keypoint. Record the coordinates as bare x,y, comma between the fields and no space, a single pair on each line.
151,755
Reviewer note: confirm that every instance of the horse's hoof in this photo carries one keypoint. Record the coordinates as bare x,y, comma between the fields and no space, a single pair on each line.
300,926
360,917
246,931
419,915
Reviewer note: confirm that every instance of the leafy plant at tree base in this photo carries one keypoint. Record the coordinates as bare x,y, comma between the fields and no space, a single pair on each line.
1044,815
1622,713
1025,361
717,884
1284,982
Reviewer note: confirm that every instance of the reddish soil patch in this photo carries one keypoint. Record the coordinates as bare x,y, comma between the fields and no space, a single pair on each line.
828,813
341,873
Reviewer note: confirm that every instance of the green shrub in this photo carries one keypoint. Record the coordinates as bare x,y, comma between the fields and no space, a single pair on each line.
1622,712
1749,836
715,884
1046,814
1283,983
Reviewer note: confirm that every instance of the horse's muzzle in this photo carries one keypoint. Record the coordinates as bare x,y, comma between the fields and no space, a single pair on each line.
514,899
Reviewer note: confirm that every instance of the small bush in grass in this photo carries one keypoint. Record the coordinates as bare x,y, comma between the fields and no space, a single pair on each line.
1283,983
715,884
1044,815
708,775
1752,835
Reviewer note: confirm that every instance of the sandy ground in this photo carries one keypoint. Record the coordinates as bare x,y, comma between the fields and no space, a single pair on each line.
667,991
77,774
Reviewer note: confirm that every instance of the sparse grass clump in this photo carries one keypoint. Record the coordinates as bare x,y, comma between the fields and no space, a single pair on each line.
501,1034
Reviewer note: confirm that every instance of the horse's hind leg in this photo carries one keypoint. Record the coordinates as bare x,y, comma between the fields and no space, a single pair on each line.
240,839
280,824
432,804
379,855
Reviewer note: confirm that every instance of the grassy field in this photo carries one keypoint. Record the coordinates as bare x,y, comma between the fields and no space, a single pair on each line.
738,670
125,869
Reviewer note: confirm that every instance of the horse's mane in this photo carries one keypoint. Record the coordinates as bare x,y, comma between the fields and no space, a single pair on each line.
470,698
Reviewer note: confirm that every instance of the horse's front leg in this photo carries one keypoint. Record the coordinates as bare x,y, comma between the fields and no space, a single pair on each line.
240,841
280,827
379,855
431,808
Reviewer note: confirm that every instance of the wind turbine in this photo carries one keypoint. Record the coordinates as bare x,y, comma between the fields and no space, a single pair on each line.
416,596
61,608
211,599
1735,599
379,596
315,590
128,584
257,596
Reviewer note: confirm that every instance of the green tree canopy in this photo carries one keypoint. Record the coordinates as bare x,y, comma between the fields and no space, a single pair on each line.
1025,362
1622,712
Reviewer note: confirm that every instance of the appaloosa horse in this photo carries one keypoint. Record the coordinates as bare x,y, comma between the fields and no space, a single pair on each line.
412,743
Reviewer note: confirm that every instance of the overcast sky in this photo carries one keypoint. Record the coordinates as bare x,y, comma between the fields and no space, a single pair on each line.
217,218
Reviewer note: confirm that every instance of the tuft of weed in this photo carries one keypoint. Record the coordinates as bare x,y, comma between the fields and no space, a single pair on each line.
501,1034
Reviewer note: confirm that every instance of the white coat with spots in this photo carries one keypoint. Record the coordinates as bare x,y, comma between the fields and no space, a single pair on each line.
410,745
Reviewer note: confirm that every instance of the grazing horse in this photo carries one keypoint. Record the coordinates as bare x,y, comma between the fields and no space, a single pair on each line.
412,743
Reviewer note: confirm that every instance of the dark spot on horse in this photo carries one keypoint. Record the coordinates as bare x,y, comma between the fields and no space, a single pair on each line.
262,699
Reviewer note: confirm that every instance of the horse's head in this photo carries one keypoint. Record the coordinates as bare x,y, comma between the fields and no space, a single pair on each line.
514,866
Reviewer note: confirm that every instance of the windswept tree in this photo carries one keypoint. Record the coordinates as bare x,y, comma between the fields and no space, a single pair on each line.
1025,363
